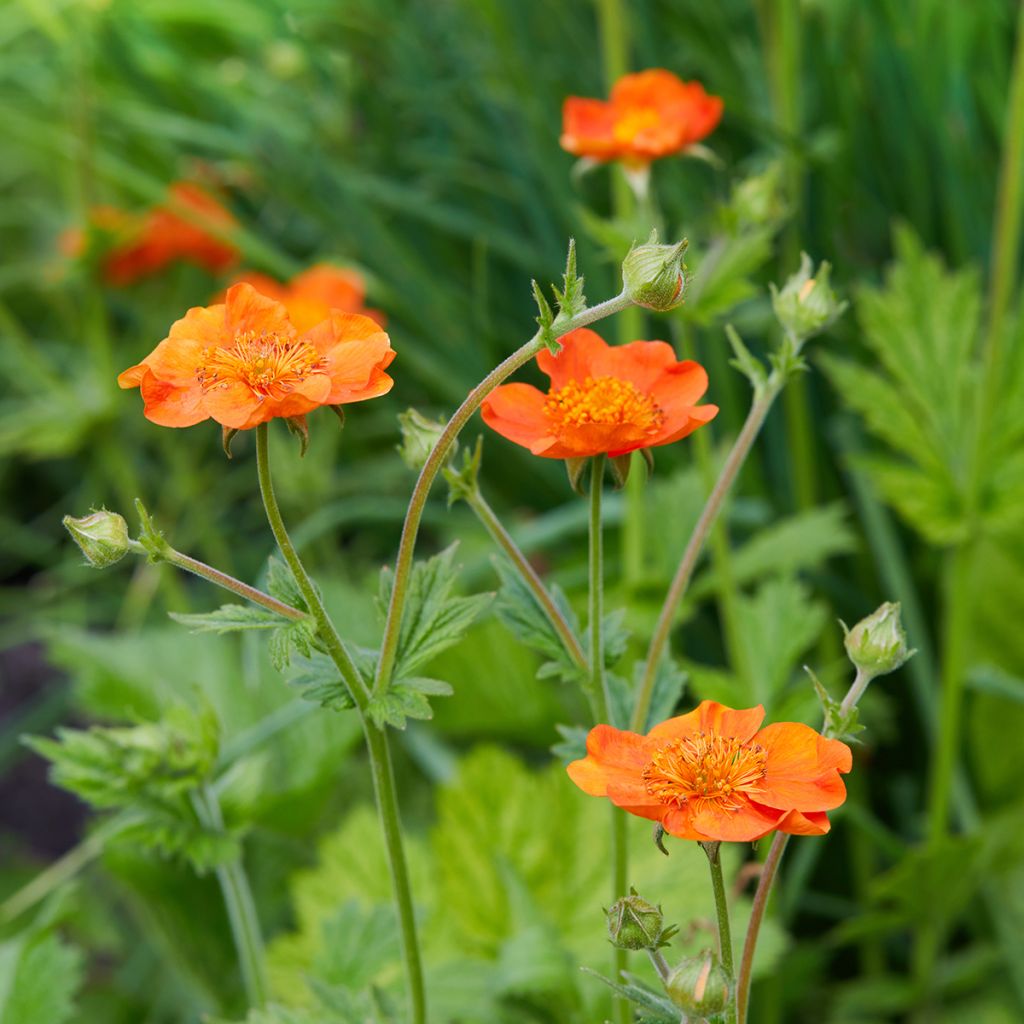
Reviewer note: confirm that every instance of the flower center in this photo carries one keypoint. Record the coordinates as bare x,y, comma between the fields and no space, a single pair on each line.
632,122
605,400
705,768
269,364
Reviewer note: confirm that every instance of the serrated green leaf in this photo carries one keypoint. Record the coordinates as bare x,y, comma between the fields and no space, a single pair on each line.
320,682
291,638
518,609
573,744
281,584
615,636
228,618
406,699
39,978
433,619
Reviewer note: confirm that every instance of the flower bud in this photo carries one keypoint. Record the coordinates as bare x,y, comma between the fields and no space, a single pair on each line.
419,435
877,645
102,536
654,275
806,304
633,923
699,985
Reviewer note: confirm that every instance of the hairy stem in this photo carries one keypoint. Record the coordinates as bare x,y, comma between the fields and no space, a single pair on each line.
222,579
376,739
437,460
737,456
503,539
239,904
713,850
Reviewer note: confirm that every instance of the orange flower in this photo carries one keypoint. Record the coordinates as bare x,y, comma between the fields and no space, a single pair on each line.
134,246
310,296
714,774
602,399
650,114
243,362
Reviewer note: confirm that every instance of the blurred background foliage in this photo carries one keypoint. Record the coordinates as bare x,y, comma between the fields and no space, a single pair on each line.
417,142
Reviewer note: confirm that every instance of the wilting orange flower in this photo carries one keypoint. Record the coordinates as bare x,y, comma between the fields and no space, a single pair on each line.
137,245
649,115
310,296
602,399
243,362
715,774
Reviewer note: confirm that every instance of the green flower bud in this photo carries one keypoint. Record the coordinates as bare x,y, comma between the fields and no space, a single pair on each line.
102,536
419,435
806,304
877,645
654,275
700,986
633,923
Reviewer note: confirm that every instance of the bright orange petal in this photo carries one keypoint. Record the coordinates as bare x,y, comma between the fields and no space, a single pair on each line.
516,411
611,754
743,825
169,405
575,360
248,310
681,423
811,823
234,404
132,377
264,284
588,128
643,363
711,717
796,778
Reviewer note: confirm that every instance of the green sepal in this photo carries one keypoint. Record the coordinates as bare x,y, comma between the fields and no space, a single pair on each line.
227,435
575,468
298,427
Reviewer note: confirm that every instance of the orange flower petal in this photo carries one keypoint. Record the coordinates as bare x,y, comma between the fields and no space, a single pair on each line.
810,823
611,753
247,310
711,717
516,411
643,363
795,776
744,825
169,405
234,404
575,360
588,128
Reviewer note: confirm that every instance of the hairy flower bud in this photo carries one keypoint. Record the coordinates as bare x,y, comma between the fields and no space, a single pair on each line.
806,304
654,275
633,923
877,645
102,536
699,985
419,435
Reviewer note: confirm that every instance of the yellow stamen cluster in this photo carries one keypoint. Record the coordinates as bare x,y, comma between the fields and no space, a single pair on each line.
633,122
605,400
706,768
268,363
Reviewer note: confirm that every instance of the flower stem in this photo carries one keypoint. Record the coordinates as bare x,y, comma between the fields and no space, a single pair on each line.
222,579
376,739
503,539
713,850
764,885
660,963
436,461
601,706
240,906
737,456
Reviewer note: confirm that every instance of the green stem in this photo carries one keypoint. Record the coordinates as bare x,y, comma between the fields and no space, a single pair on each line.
222,579
376,739
438,459
659,963
1009,205
503,539
240,906
713,850
733,463
764,886
601,704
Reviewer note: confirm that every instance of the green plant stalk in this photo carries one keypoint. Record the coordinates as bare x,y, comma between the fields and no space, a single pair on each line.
600,701
713,850
503,539
438,458
1006,227
222,579
376,739
239,904
734,462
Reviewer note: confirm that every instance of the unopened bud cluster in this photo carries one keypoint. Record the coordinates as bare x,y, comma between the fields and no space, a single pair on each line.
806,304
654,275
102,537
877,645
633,923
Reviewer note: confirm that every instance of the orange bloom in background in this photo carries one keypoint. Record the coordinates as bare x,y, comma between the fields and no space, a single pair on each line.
650,114
135,245
715,774
603,399
243,362
310,296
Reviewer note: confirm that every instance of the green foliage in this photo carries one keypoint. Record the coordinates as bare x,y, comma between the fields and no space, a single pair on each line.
434,619
407,699
40,975
952,457
152,771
